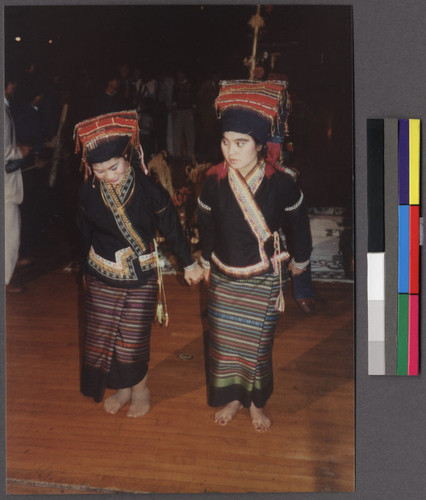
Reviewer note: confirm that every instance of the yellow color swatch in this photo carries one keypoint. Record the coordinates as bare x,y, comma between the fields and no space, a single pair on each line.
414,128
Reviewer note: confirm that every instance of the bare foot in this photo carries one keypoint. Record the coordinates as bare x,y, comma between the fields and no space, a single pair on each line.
259,420
140,402
117,400
226,414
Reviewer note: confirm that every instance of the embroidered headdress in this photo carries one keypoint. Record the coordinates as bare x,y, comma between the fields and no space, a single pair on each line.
108,136
251,107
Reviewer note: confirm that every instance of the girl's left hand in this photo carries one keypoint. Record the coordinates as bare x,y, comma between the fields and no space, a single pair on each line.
206,275
295,271
194,276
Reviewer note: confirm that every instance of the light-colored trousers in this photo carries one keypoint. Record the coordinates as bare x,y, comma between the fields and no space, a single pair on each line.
13,195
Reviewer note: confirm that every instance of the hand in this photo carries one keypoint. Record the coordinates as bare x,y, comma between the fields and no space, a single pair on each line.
25,150
194,276
206,275
295,271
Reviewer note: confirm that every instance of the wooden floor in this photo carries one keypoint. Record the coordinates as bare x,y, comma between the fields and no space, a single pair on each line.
61,442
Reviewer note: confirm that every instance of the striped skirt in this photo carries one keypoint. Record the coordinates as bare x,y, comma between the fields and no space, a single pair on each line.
242,321
117,336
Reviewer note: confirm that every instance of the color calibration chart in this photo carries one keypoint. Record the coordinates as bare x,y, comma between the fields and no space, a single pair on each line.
395,234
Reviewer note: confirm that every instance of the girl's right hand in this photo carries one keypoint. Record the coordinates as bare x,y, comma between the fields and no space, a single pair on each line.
206,275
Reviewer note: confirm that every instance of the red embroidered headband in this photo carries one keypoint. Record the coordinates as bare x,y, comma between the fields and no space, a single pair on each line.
266,98
94,133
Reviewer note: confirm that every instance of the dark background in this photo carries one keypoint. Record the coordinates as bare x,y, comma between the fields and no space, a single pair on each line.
312,47
314,41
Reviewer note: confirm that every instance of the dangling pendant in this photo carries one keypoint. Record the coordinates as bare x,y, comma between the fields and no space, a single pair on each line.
160,313
280,303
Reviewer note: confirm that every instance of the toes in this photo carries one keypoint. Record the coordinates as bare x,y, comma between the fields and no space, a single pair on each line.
112,409
221,421
140,403
112,406
261,425
260,421
226,414
135,411
115,402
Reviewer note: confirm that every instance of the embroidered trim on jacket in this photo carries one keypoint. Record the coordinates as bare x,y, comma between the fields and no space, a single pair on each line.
147,261
248,206
255,177
203,206
300,265
121,218
122,268
246,272
296,205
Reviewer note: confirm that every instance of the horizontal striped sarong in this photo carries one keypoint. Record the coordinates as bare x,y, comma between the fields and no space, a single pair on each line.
117,336
242,320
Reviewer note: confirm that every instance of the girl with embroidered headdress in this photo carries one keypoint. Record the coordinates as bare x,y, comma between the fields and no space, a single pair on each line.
243,206
120,211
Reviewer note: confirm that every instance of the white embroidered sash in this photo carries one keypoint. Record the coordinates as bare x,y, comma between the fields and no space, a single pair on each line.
116,200
244,194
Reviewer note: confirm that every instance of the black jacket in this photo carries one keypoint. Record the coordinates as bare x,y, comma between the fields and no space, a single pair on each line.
149,208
